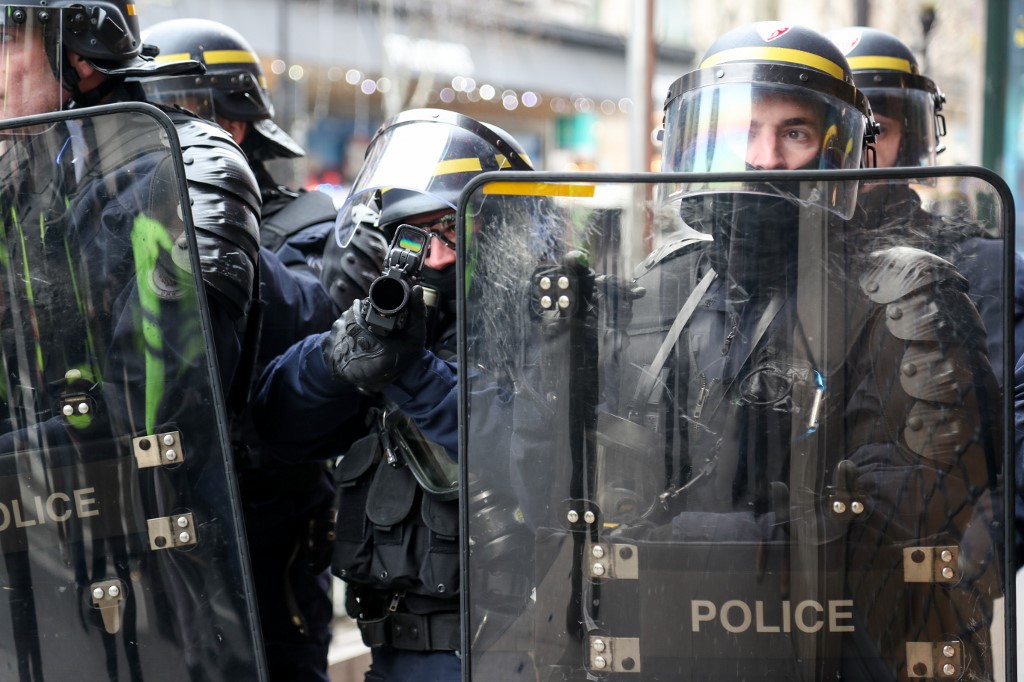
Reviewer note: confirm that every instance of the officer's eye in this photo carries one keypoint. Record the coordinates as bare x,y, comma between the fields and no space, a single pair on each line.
446,226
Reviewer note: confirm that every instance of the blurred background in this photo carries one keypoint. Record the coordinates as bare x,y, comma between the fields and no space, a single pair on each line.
580,83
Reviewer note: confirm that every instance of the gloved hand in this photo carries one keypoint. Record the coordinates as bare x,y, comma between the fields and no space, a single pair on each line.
359,357
349,270
614,298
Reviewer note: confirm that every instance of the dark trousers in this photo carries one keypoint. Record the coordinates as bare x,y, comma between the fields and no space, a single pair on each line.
399,665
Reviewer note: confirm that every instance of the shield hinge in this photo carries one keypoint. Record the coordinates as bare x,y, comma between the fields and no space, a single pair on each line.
107,595
162,449
613,561
931,564
936,660
171,531
614,654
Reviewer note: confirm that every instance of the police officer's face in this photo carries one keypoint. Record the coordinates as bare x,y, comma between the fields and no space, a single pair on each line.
441,224
887,141
785,133
27,85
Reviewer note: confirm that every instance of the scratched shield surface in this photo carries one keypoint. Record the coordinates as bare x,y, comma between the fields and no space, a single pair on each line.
714,429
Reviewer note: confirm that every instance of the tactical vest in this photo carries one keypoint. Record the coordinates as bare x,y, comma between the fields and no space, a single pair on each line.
397,545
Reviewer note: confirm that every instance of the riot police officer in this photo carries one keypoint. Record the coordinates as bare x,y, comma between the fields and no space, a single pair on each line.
288,507
118,200
874,353
95,66
398,524
908,105
756,440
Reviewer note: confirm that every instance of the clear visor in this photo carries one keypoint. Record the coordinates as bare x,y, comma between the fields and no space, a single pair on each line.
429,159
173,92
737,127
29,85
908,135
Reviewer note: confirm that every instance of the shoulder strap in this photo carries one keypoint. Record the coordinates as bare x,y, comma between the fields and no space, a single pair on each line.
650,375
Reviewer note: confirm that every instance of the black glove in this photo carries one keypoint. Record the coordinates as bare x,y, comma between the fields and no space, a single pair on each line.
349,270
614,298
359,357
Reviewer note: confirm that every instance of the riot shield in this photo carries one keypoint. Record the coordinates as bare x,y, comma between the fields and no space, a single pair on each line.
119,523
712,433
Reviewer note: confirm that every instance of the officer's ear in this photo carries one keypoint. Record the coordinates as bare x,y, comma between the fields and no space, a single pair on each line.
88,76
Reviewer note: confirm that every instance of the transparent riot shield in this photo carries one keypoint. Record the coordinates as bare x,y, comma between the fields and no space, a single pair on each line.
119,523
714,431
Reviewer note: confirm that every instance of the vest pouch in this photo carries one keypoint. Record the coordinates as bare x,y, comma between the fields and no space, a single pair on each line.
388,509
439,570
353,546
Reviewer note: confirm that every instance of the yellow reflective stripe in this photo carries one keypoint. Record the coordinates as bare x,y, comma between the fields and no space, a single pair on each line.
539,189
130,9
458,166
881,63
229,57
177,57
774,54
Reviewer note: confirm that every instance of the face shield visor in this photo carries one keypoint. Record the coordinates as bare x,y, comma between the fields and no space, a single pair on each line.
909,127
764,117
30,45
416,167
193,93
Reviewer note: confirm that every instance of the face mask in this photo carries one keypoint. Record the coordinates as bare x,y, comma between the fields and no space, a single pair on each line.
442,281
755,236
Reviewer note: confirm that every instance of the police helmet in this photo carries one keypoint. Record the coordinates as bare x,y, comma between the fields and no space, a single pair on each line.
104,32
419,161
234,86
887,72
715,116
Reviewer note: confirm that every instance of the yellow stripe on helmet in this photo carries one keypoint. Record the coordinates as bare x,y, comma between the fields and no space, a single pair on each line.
775,54
130,9
229,57
177,57
880,63
450,166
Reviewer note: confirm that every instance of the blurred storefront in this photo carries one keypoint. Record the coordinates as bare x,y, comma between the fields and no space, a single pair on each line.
551,72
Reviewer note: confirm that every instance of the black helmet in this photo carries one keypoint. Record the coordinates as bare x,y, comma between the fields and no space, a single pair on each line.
419,161
711,122
886,71
234,86
105,34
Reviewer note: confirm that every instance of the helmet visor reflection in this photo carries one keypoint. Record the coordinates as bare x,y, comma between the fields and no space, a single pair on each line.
736,127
